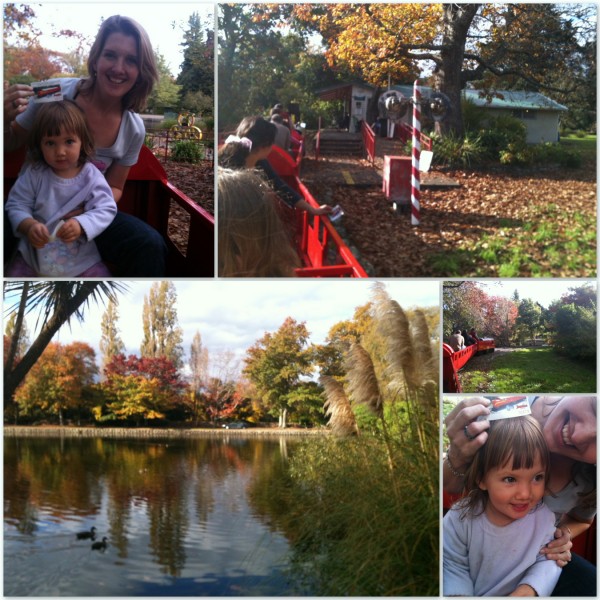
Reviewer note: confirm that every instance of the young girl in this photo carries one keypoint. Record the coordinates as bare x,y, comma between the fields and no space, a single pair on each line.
249,148
252,239
61,201
493,537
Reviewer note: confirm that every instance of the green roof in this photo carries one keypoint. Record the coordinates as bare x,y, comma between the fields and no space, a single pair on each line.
501,98
514,99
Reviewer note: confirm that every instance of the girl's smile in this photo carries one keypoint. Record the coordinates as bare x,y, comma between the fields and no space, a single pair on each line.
513,493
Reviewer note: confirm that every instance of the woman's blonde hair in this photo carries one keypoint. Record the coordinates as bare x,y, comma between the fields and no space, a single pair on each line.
515,442
253,241
136,98
55,118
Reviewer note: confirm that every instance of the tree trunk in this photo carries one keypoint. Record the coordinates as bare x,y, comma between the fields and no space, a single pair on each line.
457,21
283,418
13,377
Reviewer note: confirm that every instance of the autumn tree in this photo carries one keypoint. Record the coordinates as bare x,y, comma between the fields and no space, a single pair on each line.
162,335
220,399
140,389
111,343
528,43
57,303
59,380
276,364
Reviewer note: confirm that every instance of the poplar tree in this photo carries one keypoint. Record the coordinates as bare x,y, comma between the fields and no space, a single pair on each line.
111,343
162,335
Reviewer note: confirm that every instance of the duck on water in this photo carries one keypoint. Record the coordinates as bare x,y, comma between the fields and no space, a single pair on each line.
87,535
100,545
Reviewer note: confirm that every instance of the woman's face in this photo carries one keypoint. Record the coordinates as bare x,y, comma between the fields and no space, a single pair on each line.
118,65
570,427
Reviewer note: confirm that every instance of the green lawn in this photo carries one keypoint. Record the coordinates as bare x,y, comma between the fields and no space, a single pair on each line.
586,145
528,370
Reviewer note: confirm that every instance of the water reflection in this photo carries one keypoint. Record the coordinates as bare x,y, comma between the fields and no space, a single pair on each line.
178,514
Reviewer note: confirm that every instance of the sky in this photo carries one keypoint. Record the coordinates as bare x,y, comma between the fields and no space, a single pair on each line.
542,291
232,315
164,22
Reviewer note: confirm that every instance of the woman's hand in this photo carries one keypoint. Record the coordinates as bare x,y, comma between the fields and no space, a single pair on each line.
467,434
560,548
16,99
466,437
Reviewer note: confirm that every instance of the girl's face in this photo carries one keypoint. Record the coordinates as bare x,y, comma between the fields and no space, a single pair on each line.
117,68
513,493
570,427
61,153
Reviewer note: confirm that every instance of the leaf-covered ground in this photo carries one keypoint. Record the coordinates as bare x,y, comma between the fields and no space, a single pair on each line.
507,222
197,182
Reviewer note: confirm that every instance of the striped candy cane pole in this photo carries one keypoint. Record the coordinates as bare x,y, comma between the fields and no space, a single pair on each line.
415,181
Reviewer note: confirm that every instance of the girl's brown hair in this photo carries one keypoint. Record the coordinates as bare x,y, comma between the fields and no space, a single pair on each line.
136,98
253,241
55,117
258,130
515,442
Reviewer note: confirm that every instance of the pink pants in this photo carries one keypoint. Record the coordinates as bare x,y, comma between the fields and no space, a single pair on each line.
19,268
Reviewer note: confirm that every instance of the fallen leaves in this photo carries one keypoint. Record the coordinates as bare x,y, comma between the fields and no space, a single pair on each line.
504,222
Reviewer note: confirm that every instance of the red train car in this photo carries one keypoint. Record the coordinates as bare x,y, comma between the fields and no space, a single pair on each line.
453,361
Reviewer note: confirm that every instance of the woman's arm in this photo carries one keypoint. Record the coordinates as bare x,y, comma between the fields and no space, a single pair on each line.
116,176
16,100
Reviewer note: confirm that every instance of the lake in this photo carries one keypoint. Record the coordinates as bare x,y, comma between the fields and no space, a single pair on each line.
183,517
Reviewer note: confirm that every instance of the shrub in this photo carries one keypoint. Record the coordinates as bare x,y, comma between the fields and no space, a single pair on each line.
187,151
501,133
454,152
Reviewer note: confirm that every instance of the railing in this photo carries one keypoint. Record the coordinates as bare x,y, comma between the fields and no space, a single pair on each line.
405,132
368,136
164,141
453,361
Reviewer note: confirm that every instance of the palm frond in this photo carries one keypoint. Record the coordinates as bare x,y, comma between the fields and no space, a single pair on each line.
362,380
337,406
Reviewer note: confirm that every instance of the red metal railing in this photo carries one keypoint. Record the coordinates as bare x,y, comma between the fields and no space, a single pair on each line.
453,361
368,137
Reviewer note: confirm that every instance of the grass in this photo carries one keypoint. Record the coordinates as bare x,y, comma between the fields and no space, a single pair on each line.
586,146
545,246
528,370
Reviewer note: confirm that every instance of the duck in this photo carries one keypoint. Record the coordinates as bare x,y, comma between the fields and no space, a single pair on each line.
86,535
100,545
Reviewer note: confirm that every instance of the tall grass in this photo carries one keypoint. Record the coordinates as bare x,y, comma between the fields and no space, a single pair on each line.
369,519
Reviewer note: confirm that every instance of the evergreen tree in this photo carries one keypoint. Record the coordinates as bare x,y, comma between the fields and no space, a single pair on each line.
111,343
197,70
162,335
166,92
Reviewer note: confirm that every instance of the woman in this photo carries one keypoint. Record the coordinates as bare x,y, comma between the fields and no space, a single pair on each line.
122,73
249,148
569,427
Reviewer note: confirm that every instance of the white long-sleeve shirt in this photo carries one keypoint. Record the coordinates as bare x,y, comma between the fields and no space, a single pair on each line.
46,197
483,559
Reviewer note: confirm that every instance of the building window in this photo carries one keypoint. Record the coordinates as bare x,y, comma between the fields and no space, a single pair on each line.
524,114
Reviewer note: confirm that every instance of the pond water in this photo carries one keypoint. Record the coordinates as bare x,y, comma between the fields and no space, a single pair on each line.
182,517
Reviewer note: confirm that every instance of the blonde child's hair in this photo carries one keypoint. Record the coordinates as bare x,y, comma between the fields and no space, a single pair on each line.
515,442
253,241
55,117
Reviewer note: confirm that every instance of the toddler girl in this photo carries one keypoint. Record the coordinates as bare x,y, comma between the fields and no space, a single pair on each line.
493,536
61,201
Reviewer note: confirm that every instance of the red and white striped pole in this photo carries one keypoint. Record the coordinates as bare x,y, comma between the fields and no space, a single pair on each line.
415,181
